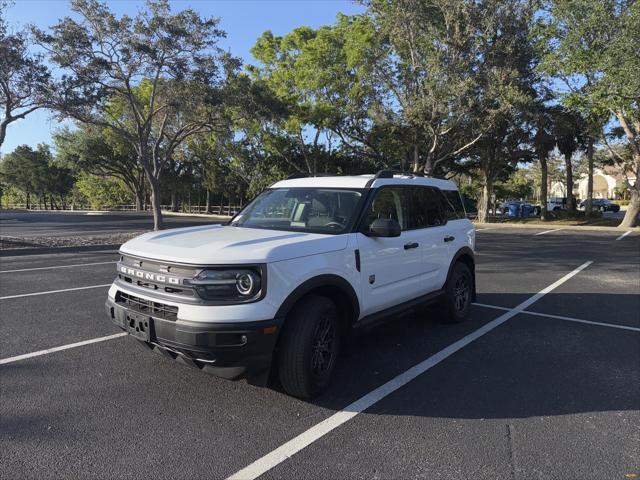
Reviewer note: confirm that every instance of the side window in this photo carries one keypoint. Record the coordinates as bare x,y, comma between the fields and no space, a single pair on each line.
453,205
418,210
387,203
426,208
433,204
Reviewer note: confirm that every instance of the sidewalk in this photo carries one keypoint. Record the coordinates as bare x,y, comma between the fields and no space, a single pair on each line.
552,226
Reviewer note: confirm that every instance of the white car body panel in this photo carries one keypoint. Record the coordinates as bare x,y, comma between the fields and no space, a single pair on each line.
225,245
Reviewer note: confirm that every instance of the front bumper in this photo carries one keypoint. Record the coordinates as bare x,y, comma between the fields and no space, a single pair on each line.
227,350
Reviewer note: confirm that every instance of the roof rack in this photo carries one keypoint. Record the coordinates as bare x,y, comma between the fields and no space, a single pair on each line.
307,175
390,174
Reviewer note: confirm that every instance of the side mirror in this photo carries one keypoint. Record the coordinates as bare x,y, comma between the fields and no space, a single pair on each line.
384,227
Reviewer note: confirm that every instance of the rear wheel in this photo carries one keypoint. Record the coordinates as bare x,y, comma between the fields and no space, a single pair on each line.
456,303
309,347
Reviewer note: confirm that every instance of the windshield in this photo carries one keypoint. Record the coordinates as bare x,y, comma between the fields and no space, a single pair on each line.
314,210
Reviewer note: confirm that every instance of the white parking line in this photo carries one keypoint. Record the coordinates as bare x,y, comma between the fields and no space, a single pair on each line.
4,361
293,446
623,235
483,229
54,267
549,231
587,322
561,317
54,291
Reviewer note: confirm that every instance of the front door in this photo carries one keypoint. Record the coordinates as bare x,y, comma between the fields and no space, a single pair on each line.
392,268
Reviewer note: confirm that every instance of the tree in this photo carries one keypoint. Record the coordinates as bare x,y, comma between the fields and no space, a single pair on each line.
506,91
569,133
423,58
152,68
102,191
33,172
23,76
100,152
543,143
592,47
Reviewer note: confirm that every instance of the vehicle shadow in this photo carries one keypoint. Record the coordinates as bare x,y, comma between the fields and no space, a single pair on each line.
529,366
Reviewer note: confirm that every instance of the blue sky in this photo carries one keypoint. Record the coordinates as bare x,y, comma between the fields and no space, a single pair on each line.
243,20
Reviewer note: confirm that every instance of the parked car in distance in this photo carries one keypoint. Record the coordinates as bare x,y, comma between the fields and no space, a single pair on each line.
601,204
557,203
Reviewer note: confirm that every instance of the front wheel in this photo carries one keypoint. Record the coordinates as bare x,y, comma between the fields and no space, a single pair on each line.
456,303
309,347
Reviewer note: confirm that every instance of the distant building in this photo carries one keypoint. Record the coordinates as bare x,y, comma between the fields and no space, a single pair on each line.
608,182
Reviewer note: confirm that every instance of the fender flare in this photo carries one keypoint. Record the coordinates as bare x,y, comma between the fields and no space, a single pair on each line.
319,281
464,251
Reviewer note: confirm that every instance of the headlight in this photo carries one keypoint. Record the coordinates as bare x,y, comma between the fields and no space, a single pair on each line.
227,284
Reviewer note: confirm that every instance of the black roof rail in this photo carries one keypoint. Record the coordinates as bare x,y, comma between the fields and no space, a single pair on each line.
308,175
297,175
390,174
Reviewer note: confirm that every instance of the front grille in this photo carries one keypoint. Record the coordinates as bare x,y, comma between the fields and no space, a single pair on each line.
144,274
156,309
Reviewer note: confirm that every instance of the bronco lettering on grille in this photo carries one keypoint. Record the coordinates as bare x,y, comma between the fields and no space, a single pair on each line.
149,276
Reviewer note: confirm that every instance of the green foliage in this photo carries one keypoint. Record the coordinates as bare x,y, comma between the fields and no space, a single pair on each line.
33,172
101,192
518,186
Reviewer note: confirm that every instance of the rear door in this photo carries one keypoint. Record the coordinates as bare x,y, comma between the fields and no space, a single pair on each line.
392,268
429,222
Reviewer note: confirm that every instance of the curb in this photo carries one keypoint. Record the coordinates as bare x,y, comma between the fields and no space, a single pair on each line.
550,226
17,252
202,215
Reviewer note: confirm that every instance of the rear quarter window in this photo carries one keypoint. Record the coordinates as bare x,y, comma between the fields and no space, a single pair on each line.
453,206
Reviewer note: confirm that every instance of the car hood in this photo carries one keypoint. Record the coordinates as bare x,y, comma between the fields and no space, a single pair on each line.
224,245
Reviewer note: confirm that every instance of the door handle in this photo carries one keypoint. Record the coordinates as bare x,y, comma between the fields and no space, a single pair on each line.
449,238
408,246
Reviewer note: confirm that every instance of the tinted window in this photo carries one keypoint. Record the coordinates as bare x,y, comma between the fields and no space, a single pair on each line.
453,205
425,207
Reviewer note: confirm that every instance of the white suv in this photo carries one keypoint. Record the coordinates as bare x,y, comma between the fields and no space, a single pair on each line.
307,262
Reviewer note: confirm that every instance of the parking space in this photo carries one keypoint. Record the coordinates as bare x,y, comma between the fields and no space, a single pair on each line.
494,413
504,395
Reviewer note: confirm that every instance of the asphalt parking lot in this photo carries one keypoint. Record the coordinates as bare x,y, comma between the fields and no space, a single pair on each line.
67,223
541,383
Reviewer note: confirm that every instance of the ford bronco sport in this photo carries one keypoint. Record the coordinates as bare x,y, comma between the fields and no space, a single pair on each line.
307,262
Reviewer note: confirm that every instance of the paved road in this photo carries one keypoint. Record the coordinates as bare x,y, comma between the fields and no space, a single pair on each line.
63,224
533,397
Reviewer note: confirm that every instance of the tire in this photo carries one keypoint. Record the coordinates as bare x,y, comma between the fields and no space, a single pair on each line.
456,304
309,347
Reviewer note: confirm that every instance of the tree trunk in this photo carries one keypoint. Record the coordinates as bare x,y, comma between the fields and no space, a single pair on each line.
139,196
571,204
416,159
208,207
485,200
633,210
544,182
174,198
28,201
155,203
589,204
